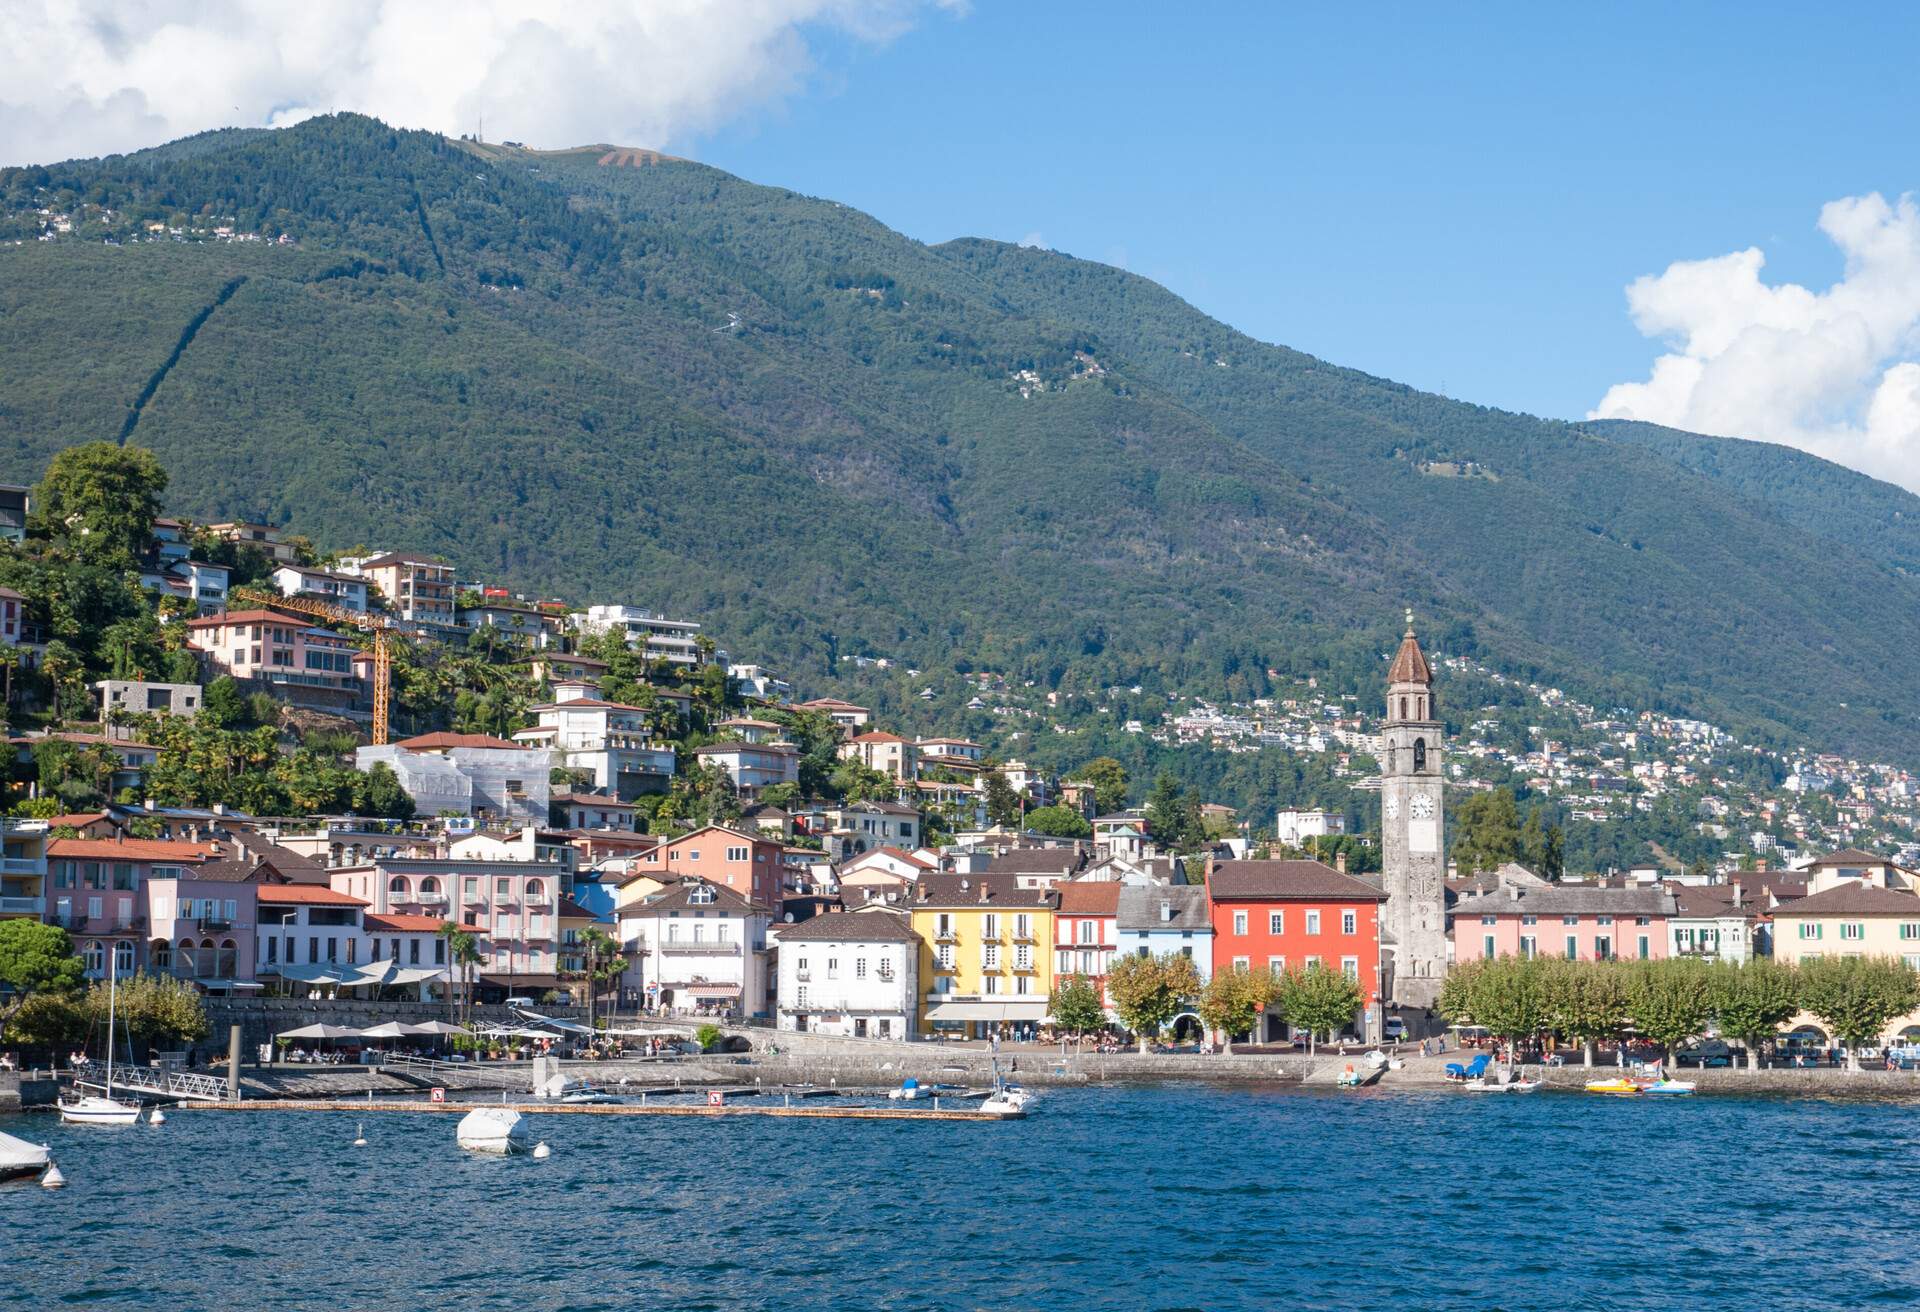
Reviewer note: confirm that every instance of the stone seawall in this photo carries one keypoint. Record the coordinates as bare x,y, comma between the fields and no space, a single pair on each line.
23,1091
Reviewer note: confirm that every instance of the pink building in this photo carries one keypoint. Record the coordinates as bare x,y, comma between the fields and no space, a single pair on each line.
262,644
1588,924
203,923
749,864
98,890
1084,932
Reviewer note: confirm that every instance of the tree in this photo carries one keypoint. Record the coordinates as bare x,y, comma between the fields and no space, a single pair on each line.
463,951
605,963
1109,779
1509,997
1148,992
379,793
1857,996
46,1020
1586,1001
1319,1001
1669,1001
1543,846
1058,822
223,705
100,500
1003,804
1075,1006
37,958
1753,1000
1486,831
154,1009
1234,1000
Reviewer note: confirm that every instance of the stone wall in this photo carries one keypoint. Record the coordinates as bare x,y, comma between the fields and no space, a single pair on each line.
22,1090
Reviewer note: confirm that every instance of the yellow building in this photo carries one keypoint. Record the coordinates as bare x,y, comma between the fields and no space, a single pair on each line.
1854,918
986,955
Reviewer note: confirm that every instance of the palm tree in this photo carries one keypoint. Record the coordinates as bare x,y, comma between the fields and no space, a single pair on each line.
463,950
603,952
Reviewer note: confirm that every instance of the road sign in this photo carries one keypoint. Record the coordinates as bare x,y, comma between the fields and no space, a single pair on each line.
437,1095
716,1098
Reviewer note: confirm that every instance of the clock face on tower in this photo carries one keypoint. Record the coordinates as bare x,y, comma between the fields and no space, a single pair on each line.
1421,807
1392,808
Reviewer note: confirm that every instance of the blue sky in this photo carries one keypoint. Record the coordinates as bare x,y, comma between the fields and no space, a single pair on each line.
1456,200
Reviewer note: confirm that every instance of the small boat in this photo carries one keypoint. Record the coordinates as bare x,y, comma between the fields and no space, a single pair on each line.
588,1098
1521,1086
19,1159
909,1089
1668,1086
1012,1100
1618,1085
492,1130
96,1109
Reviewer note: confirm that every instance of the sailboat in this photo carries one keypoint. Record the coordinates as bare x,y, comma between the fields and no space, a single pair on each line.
97,1109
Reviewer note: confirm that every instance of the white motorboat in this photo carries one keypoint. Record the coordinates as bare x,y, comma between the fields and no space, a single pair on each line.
18,1158
493,1130
1009,1100
103,1109
909,1089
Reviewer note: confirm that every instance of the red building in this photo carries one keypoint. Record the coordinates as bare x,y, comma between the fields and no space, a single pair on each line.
1084,933
749,864
1289,915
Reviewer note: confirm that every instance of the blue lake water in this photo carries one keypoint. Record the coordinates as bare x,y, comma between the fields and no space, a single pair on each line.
1168,1196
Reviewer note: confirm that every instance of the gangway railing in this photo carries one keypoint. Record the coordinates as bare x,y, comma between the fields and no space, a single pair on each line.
159,1083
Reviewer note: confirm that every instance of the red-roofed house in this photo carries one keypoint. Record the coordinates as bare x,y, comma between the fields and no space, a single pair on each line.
1291,915
98,890
749,864
1084,933
888,753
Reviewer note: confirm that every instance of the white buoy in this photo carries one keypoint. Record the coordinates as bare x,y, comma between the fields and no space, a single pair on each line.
360,1135
157,1118
541,1151
53,1179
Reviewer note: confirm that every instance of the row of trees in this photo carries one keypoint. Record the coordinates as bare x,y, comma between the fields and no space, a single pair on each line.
1672,1002
1149,993
52,1006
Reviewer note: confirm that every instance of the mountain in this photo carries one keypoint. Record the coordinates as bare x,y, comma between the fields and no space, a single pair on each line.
629,377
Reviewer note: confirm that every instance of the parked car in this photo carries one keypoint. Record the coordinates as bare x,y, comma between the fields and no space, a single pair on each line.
1396,1029
520,1000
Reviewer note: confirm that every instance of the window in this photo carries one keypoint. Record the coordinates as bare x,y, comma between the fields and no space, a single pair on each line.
1603,947
470,888
1569,920
1350,967
833,968
1313,922
738,853
1487,947
123,957
1646,948
1064,961
1489,920
1023,927
1276,966
1852,929
439,952
1419,754
945,956
1910,929
1086,931
1529,920
989,926
1276,922
800,995
413,952
503,889
1809,929
700,894
859,967
1573,947
1313,963
1023,958
991,984
1349,922
1239,922
1528,946
273,951
1603,920
1643,921
990,956
1242,964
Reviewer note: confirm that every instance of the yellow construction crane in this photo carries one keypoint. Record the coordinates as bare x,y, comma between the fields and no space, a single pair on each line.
377,625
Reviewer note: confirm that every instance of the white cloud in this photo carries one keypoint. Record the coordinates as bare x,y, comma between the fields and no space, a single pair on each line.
1834,372
89,77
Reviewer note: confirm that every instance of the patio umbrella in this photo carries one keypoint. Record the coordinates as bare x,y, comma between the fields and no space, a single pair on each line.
437,1027
320,1032
392,1029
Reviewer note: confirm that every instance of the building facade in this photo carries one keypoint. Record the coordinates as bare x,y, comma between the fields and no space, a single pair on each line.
855,974
1413,829
1280,916
986,960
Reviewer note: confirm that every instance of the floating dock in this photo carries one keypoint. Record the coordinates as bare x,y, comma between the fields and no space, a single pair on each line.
611,1109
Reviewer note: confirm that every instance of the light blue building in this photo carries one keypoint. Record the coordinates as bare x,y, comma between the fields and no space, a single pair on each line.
1156,919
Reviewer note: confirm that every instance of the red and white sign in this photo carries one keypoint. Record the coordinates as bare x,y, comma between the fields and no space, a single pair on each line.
437,1095
716,1098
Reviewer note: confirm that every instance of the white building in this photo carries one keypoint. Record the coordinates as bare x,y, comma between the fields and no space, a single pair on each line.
758,681
698,948
645,632
1294,828
850,973
347,591
612,741
469,774
753,766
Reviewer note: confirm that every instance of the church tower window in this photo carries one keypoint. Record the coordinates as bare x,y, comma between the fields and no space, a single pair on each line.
1419,754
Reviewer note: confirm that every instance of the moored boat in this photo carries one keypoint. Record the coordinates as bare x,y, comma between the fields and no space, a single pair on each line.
1668,1087
492,1130
18,1158
103,1109
1618,1085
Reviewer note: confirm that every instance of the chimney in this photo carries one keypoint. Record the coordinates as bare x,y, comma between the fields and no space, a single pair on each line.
148,804
1739,894
1340,860
1166,911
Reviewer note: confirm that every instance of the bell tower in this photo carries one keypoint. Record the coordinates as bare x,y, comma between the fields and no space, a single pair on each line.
1413,828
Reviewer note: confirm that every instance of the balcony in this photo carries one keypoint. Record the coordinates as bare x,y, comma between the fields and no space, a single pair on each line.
723,948
22,906
213,925
432,899
541,900
1024,967
22,865
1023,935
885,976
948,935
803,975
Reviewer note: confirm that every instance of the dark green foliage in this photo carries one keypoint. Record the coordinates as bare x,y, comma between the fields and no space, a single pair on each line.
1059,822
666,385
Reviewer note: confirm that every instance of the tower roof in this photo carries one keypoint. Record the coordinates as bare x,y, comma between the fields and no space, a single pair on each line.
1410,663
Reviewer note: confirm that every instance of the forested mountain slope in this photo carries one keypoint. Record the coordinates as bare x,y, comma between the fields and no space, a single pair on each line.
629,377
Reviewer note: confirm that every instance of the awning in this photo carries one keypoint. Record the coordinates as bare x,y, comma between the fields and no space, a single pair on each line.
714,990
1035,1010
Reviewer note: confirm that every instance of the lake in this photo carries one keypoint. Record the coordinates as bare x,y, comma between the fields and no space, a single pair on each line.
1166,1196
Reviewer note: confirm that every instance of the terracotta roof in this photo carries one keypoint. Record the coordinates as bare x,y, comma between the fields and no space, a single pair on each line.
1852,856
1853,898
131,849
434,742
877,736
1279,880
1000,890
306,895
829,703
12,595
571,910
591,799
723,749
1101,899
1410,663
849,927
77,819
227,617
400,923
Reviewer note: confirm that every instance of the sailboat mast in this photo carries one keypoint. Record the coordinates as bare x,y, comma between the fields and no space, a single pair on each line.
113,995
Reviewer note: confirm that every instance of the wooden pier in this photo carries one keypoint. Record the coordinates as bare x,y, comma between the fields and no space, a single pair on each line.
612,1109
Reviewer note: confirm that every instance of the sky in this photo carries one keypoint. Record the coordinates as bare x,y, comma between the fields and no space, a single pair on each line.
1695,215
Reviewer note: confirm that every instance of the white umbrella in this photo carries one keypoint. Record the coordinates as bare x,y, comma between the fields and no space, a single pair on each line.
392,1029
320,1032
438,1027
